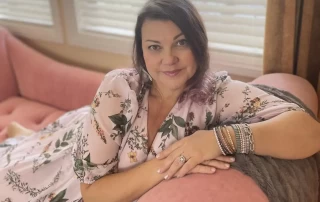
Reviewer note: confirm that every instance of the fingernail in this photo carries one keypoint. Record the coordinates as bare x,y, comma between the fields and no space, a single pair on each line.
166,177
227,165
213,170
158,156
158,171
232,159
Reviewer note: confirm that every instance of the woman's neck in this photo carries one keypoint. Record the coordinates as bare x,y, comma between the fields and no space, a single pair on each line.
165,95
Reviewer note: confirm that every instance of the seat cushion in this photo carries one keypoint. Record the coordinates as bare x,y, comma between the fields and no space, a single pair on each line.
30,114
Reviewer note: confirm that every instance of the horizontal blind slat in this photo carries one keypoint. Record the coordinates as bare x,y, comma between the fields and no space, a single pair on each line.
106,23
110,30
27,15
224,9
234,28
44,3
33,10
239,2
231,38
225,19
139,3
104,6
102,15
27,11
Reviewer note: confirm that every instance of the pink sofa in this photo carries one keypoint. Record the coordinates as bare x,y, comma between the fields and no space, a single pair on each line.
36,90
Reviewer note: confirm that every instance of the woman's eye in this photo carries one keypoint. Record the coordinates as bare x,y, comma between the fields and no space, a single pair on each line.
182,42
154,47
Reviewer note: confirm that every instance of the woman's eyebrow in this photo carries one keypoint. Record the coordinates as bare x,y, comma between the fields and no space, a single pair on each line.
174,38
153,41
177,36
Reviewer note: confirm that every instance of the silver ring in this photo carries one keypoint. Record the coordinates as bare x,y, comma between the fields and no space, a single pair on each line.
182,159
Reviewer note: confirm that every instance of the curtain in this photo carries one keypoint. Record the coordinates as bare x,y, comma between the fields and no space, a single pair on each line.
292,39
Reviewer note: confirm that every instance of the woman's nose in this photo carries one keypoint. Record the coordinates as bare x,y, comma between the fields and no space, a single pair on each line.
169,58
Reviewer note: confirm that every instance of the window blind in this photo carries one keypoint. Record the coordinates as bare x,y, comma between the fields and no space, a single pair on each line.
27,11
235,26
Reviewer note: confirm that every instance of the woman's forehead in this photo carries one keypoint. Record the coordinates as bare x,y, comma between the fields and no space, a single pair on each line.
159,30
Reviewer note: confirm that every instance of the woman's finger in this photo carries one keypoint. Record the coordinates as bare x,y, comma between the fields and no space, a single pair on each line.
169,150
216,164
174,168
169,161
228,159
201,169
188,166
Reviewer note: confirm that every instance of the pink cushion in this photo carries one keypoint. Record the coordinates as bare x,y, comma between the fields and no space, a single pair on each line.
8,85
42,79
229,186
30,114
296,85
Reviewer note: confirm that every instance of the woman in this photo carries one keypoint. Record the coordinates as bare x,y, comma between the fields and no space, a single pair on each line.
170,107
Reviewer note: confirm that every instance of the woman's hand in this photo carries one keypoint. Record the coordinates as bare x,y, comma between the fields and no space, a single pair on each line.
210,166
197,149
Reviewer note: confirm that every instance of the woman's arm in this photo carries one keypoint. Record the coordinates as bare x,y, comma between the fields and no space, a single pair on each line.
291,135
280,129
125,186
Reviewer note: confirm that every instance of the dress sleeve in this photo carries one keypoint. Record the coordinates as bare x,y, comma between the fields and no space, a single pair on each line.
239,102
99,136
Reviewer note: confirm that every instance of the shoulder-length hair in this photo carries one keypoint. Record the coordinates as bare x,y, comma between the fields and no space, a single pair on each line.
186,17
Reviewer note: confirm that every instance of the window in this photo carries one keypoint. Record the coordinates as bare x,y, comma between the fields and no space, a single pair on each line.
37,19
235,29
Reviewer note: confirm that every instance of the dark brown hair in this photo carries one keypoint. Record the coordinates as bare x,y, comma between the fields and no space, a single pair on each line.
187,18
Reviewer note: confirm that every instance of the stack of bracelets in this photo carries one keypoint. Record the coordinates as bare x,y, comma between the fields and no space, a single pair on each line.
244,139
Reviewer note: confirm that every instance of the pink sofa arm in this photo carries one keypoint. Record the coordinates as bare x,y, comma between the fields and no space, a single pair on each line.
47,81
229,185
8,85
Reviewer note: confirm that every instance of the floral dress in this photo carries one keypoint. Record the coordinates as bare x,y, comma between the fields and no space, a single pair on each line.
111,135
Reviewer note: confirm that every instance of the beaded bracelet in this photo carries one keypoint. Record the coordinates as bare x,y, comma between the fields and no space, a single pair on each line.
249,133
218,141
244,138
230,139
243,135
224,141
238,138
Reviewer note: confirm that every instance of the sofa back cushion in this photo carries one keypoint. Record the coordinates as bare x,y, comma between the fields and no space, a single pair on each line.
8,84
45,80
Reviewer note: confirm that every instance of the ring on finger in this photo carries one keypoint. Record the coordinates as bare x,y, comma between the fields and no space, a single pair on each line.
182,159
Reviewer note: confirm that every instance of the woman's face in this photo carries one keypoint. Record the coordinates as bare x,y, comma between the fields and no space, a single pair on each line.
167,54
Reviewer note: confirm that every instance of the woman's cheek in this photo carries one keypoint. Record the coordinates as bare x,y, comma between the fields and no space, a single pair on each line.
151,61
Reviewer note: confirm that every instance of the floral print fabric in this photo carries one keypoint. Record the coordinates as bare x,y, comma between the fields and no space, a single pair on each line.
111,135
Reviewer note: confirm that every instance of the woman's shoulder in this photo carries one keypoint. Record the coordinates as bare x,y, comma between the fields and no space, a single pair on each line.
206,91
126,73
218,77
124,76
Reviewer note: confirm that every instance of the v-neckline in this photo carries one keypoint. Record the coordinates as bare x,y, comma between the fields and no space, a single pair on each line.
146,106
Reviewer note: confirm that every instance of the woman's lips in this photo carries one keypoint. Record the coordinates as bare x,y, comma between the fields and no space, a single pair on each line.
172,73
